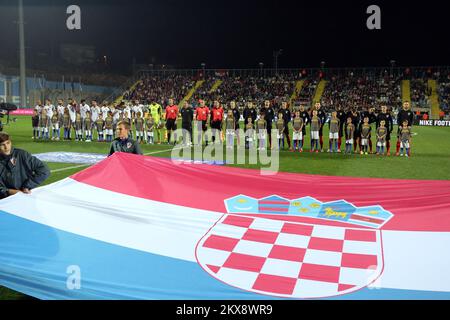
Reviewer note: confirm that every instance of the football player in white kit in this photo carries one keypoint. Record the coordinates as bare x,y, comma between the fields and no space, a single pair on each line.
60,111
72,107
39,107
127,115
84,107
105,109
95,114
50,109
116,117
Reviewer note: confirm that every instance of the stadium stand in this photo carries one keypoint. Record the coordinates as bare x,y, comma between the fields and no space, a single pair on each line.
362,91
444,94
347,88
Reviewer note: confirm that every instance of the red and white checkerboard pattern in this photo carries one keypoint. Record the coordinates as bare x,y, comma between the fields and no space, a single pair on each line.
289,259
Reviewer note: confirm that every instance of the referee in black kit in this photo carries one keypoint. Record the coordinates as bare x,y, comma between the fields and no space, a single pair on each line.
187,116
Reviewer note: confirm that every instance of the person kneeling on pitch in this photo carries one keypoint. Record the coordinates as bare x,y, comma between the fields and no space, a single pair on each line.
19,170
123,143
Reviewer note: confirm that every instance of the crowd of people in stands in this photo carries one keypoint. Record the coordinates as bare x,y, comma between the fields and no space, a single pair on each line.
362,92
306,94
444,94
159,88
244,89
420,91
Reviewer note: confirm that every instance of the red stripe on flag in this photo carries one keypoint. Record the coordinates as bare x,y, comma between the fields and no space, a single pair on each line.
274,202
366,219
412,202
273,209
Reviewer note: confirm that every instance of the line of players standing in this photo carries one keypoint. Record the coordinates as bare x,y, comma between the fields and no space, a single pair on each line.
352,125
81,120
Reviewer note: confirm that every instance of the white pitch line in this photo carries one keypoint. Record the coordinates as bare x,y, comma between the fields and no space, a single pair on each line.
161,151
68,168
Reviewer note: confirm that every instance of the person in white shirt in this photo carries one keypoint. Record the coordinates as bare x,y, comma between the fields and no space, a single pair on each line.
60,109
50,111
60,112
72,107
127,111
39,107
137,107
95,111
127,115
84,107
95,114
116,118
105,109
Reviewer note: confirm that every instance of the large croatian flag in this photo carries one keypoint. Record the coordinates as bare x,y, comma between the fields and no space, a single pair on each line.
135,227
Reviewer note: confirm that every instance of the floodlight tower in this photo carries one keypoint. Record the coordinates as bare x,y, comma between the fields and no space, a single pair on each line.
276,54
23,93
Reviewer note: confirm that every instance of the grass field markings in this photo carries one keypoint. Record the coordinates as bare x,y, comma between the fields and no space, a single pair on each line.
161,151
68,168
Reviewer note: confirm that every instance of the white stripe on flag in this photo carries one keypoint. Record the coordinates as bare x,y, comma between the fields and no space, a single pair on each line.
412,260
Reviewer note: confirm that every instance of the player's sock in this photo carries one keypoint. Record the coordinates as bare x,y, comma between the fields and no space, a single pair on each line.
312,144
168,136
398,146
370,146
407,152
321,142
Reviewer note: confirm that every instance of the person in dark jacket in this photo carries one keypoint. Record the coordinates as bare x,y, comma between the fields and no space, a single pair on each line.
19,170
123,143
187,116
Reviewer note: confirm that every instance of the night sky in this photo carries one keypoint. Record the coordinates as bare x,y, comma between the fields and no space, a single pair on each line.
237,34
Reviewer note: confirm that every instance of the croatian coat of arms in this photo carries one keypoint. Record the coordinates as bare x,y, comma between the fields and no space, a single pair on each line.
299,248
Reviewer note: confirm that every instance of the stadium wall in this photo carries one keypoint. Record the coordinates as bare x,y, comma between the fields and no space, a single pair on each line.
9,88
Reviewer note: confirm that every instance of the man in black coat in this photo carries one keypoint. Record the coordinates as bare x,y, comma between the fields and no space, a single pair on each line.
19,170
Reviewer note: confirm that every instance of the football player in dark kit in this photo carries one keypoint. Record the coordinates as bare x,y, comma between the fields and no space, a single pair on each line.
306,120
323,118
286,118
370,114
404,115
342,116
187,115
386,116
249,112
236,117
268,116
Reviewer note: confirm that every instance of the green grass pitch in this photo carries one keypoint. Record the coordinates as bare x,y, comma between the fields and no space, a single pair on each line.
430,160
